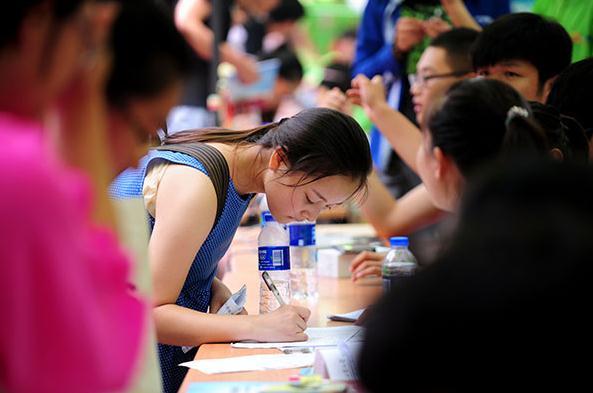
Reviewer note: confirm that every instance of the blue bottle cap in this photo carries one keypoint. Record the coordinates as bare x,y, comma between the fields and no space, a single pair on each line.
302,233
268,217
399,241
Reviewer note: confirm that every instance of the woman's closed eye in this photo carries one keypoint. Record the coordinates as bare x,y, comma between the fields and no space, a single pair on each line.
312,202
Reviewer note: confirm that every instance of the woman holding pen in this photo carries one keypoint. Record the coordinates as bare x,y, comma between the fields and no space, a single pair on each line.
195,196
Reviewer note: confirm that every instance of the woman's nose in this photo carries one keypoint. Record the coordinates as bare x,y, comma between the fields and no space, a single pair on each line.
311,213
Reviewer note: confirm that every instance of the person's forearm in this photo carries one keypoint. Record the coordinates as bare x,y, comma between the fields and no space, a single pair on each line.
199,37
415,211
176,325
402,134
459,15
217,284
189,19
391,217
378,204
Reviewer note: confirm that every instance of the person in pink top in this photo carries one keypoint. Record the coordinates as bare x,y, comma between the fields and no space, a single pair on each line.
70,321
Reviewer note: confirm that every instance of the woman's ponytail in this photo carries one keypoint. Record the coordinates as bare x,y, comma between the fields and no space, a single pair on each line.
523,136
220,135
317,142
482,120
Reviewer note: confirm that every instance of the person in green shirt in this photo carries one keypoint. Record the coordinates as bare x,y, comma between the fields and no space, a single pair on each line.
577,18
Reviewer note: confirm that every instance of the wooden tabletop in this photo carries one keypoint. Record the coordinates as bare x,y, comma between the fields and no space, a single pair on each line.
335,296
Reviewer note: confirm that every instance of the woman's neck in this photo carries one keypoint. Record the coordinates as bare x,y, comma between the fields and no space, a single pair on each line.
247,166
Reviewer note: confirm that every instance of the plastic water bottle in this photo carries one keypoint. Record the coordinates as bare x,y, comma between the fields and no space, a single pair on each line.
399,263
303,257
274,257
263,208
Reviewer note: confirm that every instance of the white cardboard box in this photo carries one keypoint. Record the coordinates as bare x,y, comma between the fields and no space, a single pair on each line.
332,262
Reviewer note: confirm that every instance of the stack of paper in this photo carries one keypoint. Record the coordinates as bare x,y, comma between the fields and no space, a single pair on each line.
318,337
251,363
338,363
347,317
265,387
336,344
229,387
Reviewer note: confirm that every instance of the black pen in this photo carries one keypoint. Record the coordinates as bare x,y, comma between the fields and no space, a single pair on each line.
272,287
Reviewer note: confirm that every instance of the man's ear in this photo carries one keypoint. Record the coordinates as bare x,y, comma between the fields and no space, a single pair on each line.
277,160
447,172
547,88
557,154
441,163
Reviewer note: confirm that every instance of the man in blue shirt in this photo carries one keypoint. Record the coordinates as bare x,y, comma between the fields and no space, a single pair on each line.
391,37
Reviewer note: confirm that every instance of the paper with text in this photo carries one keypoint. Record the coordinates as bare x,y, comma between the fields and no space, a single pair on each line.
251,363
338,363
318,337
347,317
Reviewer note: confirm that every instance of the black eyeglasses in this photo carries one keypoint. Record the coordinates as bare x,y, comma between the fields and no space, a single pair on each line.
421,80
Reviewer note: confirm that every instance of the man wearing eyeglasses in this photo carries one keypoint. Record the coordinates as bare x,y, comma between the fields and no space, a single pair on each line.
445,61
391,37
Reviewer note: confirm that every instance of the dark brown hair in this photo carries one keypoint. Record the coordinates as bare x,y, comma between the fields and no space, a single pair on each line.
473,125
317,142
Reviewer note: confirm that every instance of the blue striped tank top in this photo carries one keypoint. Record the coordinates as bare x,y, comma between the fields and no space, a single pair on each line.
196,291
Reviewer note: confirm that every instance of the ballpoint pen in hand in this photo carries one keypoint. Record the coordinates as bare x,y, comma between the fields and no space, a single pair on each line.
272,287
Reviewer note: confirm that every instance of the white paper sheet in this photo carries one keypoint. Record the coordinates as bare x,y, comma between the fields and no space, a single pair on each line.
332,364
235,303
347,317
338,363
230,387
318,337
251,363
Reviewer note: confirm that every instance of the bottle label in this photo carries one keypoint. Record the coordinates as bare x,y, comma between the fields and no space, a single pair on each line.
302,235
274,258
397,273
399,269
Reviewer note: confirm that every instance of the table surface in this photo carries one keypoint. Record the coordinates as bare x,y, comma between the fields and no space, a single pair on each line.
335,296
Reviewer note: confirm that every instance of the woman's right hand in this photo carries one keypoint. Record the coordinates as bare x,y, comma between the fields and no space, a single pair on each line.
287,323
366,264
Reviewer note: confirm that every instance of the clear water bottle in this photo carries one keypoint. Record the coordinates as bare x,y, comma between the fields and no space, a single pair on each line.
303,258
399,263
274,257
263,208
